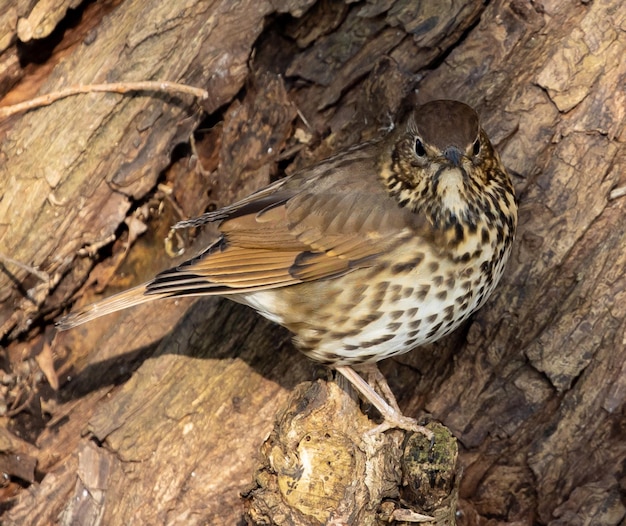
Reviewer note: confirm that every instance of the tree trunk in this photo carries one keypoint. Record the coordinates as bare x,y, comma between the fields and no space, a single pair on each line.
201,412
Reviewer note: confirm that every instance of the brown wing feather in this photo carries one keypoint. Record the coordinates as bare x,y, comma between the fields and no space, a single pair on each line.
231,269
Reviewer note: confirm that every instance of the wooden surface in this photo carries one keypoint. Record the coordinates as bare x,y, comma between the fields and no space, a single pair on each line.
169,413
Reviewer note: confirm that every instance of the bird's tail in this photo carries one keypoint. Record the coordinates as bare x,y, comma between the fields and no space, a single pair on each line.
123,300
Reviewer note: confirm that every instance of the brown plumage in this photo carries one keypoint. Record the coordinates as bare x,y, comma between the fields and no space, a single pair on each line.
385,246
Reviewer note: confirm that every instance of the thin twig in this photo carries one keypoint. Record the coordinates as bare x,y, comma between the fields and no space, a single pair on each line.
17,409
43,276
116,87
303,118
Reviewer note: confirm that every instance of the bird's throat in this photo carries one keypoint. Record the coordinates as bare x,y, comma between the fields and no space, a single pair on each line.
451,192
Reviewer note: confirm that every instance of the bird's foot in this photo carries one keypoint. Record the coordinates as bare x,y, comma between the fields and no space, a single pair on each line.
392,416
399,421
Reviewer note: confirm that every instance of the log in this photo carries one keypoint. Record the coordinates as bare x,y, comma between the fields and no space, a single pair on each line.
199,411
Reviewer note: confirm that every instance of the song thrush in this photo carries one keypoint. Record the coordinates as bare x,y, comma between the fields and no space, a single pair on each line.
385,246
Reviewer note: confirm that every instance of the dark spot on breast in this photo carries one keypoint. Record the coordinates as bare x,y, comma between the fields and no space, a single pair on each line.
413,334
484,235
467,273
357,294
434,266
432,318
394,315
376,303
437,281
340,335
407,291
370,318
448,313
377,341
442,295
412,312
500,235
400,268
415,324
410,342
459,233
509,222
407,266
434,330
381,267
394,326
464,299
382,286
422,292
394,293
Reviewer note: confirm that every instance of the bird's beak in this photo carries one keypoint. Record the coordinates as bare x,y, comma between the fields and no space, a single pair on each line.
454,155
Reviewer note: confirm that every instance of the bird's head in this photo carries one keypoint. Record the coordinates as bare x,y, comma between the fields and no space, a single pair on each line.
440,162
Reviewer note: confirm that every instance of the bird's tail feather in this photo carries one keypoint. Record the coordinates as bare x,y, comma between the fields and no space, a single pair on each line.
123,300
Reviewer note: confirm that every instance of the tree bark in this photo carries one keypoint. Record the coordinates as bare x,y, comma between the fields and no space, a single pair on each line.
201,412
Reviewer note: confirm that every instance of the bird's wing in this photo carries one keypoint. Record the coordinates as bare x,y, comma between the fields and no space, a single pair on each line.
318,224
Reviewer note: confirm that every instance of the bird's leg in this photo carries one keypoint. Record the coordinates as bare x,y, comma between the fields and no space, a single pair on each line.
377,380
392,416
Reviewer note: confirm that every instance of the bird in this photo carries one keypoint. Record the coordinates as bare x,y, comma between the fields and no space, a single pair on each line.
385,246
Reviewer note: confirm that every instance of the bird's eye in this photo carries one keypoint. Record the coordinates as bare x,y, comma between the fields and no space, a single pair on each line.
476,149
419,148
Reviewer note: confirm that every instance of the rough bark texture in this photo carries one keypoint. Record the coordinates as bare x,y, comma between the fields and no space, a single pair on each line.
196,412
